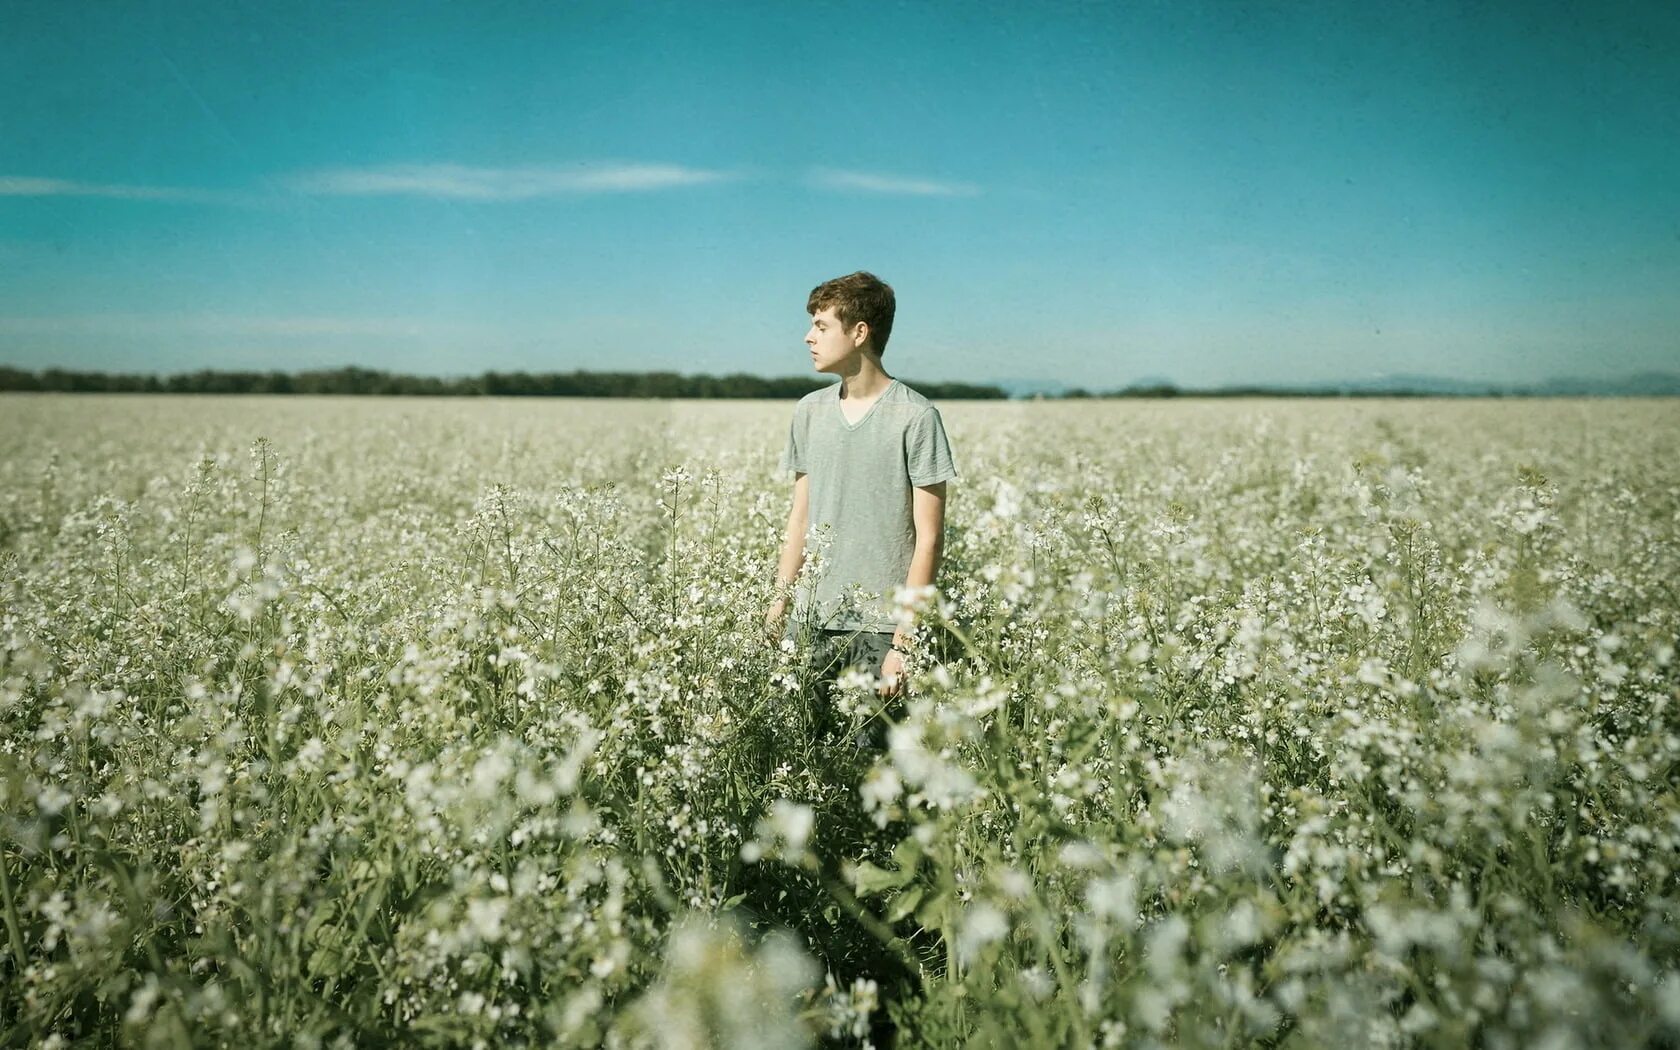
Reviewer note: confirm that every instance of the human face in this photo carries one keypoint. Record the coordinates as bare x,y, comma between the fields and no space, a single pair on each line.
830,345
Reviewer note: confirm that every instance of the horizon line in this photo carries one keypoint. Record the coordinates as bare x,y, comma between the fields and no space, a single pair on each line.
1052,389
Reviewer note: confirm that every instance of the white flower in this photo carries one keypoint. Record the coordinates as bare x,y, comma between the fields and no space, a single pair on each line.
881,787
982,924
784,832
1113,897
485,916
52,799
310,754
909,603
1082,854
792,822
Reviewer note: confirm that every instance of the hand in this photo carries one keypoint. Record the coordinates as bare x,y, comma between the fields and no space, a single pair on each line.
773,618
892,674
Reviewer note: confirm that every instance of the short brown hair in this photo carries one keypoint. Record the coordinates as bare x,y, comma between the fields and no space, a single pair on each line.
860,296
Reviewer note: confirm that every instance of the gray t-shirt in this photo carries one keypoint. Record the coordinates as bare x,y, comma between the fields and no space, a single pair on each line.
861,477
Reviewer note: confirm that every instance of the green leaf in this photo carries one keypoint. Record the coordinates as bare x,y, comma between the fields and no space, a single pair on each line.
870,879
904,903
934,913
327,961
322,916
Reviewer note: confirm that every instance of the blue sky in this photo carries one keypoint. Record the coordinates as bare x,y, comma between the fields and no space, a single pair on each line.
1085,192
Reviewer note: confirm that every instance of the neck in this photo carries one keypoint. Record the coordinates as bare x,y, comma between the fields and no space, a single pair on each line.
863,378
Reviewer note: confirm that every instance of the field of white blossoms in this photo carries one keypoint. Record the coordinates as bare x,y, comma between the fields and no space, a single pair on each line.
338,722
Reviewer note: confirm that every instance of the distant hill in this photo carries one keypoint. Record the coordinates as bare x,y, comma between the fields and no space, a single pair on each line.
1640,384
1435,386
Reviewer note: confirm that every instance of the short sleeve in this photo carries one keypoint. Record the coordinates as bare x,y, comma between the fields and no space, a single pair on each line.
793,456
926,451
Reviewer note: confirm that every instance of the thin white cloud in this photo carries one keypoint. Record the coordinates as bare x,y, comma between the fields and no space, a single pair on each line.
465,182
460,182
29,186
870,182
232,325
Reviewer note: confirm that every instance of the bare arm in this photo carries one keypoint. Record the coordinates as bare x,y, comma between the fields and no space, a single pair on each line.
793,548
927,510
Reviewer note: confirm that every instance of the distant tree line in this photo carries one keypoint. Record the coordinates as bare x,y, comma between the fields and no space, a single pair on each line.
1160,390
490,384
1164,390
1640,384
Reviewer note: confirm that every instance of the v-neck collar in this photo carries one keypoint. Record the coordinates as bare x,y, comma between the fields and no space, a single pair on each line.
839,405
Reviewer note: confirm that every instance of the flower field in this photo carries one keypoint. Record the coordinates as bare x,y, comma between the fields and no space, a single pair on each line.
403,722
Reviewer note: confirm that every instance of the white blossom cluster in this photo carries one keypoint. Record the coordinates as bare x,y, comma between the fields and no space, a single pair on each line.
405,722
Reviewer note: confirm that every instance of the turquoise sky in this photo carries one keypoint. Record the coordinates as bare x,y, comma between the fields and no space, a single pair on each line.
1092,193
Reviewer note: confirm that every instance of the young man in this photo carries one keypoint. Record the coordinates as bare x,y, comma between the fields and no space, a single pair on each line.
870,461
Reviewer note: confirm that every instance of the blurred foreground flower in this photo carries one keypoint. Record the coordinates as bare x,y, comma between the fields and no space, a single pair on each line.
717,991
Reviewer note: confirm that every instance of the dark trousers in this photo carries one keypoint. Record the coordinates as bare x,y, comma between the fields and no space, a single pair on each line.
832,654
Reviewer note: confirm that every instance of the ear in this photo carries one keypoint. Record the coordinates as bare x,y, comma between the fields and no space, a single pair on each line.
860,333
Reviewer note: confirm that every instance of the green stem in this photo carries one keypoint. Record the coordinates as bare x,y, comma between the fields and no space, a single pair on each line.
868,920
14,931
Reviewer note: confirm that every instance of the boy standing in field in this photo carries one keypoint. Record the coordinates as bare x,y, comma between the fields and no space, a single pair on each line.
870,461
